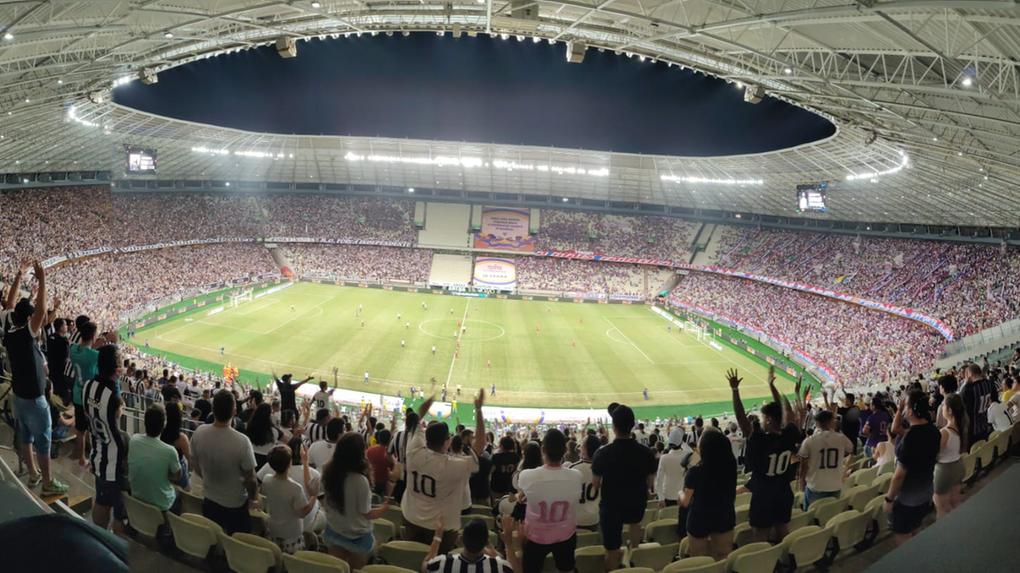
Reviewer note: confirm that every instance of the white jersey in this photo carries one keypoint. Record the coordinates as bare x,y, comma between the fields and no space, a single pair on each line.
824,453
435,484
669,479
552,500
587,510
320,400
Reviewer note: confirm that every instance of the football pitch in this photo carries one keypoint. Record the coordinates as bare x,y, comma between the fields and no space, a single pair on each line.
540,354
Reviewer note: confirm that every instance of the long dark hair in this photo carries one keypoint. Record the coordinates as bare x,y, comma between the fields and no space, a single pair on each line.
956,407
172,429
348,458
717,459
260,427
532,456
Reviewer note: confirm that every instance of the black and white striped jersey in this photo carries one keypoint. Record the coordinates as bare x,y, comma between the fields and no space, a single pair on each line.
109,448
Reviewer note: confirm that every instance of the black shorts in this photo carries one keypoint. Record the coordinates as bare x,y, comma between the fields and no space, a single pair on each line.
231,519
771,505
533,555
612,520
81,423
907,518
110,494
705,523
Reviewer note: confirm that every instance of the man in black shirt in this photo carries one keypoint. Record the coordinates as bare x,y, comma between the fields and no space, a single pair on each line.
977,394
850,419
288,391
57,352
504,465
204,405
910,490
624,470
770,455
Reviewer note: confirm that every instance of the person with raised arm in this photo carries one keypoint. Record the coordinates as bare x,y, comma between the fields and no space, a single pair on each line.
771,457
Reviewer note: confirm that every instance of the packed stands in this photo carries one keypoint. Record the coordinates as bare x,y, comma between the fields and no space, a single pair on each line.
356,262
650,236
567,277
859,345
333,217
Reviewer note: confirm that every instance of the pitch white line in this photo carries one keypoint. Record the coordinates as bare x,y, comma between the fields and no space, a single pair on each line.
629,341
453,360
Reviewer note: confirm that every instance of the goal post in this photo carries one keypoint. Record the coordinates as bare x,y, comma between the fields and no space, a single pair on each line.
244,295
699,331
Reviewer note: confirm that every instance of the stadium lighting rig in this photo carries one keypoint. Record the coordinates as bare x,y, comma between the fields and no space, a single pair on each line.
874,175
251,154
473,162
710,180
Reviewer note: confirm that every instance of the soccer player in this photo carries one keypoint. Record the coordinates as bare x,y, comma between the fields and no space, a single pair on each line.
103,409
770,455
587,511
292,309
488,364
437,479
459,389
366,376
403,344
398,317
550,519
221,351
433,350
645,393
624,470
822,457
493,390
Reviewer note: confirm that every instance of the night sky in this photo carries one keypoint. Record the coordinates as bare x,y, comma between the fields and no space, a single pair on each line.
475,90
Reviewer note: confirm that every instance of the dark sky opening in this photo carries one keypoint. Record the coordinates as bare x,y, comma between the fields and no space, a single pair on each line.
475,90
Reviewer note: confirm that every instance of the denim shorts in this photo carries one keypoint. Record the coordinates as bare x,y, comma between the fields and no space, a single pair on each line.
34,423
811,496
362,545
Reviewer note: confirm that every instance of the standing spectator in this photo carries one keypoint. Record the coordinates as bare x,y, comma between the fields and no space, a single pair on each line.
153,466
850,419
57,357
588,502
288,391
438,478
322,451
398,451
770,455
910,491
204,405
876,429
669,479
551,495
349,512
382,464
317,429
822,456
949,468
624,471
173,436
708,495
478,484
287,502
504,465
84,358
28,382
977,392
103,408
226,463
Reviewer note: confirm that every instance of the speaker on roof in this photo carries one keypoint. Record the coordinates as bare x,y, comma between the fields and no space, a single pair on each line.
753,93
286,47
575,52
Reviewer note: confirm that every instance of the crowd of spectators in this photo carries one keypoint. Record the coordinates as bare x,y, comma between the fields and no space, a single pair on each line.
857,344
149,218
357,262
968,286
568,277
648,236
332,217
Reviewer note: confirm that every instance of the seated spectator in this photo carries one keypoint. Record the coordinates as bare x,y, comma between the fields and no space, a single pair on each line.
321,451
382,464
478,556
315,521
173,435
153,466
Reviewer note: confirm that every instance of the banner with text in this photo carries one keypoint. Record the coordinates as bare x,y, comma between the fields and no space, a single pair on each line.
505,229
495,273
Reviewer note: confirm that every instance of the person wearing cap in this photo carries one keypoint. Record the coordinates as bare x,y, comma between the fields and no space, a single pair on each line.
669,479
29,384
823,455
623,470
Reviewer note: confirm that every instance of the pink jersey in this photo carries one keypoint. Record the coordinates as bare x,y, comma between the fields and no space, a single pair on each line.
552,495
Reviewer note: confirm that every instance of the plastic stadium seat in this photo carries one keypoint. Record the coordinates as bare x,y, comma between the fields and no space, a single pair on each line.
701,564
887,468
384,530
858,496
480,509
247,553
406,554
879,523
805,546
635,570
652,504
969,466
383,569
742,512
977,446
1002,444
259,522
194,535
801,519
590,559
848,529
743,534
882,481
864,476
685,547
588,538
742,499
315,562
754,558
826,508
986,456
662,531
394,516
668,513
798,499
190,503
653,556
144,518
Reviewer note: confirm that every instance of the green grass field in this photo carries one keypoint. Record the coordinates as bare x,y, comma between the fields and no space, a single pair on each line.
541,353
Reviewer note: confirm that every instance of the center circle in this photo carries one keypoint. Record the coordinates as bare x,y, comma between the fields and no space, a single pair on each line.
475,330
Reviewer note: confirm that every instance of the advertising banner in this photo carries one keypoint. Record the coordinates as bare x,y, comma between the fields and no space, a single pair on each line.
506,229
495,273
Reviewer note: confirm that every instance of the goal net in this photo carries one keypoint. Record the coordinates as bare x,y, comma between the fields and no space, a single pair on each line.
242,296
700,332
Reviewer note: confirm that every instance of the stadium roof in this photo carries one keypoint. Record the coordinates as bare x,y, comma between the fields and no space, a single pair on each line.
925,94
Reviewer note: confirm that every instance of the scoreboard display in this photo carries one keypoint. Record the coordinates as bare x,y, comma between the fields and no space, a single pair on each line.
141,160
811,198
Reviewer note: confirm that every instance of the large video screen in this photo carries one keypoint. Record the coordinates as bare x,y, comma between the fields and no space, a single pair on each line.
141,160
811,198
